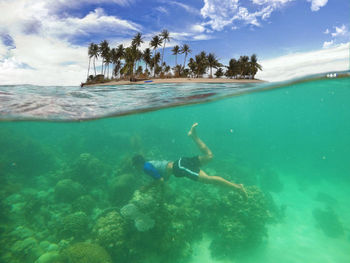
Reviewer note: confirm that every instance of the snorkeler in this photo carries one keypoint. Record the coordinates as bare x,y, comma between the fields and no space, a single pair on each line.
185,166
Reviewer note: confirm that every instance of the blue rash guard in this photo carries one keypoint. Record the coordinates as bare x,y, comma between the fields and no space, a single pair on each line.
156,169
149,169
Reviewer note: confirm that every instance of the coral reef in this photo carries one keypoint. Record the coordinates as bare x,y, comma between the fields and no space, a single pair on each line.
67,190
87,170
122,187
242,224
85,253
74,225
84,203
143,222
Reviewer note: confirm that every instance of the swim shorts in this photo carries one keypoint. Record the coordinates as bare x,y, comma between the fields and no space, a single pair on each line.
187,167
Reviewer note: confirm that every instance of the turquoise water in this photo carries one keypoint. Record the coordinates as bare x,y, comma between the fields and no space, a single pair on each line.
65,186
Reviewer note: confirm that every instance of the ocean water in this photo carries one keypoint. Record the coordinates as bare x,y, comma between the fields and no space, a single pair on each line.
69,193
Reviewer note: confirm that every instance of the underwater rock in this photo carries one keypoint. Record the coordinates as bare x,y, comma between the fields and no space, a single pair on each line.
74,225
67,190
86,253
329,222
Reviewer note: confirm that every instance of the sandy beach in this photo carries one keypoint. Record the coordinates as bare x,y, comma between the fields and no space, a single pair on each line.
178,80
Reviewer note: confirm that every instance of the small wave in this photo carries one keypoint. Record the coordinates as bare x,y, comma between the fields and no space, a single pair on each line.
66,103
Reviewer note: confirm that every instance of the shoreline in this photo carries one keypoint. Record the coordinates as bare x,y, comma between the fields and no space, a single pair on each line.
175,80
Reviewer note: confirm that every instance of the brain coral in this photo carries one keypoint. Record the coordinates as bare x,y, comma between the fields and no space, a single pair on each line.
110,230
74,225
86,253
67,190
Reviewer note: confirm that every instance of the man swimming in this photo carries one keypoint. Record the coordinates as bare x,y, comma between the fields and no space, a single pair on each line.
186,166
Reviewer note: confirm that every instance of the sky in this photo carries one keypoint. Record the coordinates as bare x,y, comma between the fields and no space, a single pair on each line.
44,42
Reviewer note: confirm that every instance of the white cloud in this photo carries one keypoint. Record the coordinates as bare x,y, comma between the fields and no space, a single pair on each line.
339,31
63,4
326,32
43,53
188,8
301,64
221,13
162,10
51,62
198,28
94,22
328,44
317,4
202,37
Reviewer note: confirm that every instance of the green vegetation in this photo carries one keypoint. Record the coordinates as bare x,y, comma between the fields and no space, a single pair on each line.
132,63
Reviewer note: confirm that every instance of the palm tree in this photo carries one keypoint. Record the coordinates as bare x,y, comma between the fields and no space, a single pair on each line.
254,65
233,69
120,51
104,51
201,63
165,35
90,54
137,40
155,43
130,56
193,67
108,60
244,65
176,51
95,54
147,56
117,67
219,73
212,63
185,50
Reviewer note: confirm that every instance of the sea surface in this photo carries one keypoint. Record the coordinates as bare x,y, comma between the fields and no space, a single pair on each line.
69,192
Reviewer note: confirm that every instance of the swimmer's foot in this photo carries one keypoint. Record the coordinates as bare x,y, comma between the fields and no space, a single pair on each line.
192,132
243,192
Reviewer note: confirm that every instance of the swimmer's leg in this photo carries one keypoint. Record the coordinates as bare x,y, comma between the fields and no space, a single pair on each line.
208,155
217,180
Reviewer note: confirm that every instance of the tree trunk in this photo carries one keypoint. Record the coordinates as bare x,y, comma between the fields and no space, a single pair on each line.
88,69
95,66
163,53
102,67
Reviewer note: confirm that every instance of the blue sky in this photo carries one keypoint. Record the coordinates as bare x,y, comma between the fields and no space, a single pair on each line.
49,38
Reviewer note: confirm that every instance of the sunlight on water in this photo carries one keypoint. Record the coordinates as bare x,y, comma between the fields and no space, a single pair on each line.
69,189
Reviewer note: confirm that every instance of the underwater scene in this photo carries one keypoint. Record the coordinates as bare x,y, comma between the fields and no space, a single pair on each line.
70,192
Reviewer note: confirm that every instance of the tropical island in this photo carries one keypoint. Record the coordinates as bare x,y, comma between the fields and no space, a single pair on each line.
126,65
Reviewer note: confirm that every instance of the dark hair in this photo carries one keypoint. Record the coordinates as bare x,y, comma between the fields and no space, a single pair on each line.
138,161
